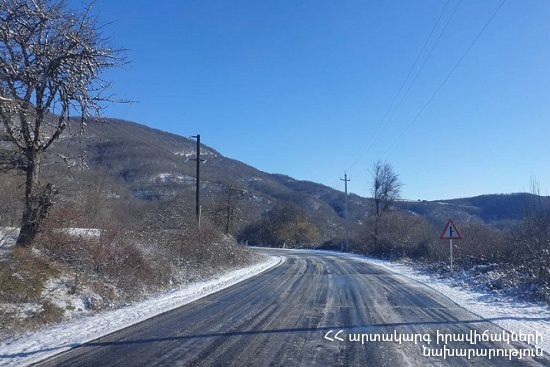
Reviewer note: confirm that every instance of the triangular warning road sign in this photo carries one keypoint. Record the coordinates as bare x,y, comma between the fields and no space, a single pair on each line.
450,232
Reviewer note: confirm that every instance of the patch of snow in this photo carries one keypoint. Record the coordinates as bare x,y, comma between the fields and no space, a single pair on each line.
171,178
185,153
21,310
163,177
8,236
82,232
36,346
192,152
61,292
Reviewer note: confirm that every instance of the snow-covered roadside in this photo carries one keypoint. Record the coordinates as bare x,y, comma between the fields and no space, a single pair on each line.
511,315
33,347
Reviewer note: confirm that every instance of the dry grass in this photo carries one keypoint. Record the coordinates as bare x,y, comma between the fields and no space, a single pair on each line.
23,275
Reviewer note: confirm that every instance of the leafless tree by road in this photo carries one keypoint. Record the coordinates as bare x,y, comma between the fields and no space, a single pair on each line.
51,61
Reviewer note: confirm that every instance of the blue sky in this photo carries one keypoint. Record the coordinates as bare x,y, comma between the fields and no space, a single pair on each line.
305,88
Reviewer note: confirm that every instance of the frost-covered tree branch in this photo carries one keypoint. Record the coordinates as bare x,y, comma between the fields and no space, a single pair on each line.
52,58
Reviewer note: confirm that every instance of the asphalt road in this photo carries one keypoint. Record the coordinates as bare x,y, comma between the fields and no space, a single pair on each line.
282,317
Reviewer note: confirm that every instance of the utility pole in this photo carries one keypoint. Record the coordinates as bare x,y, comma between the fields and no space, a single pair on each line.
346,180
197,191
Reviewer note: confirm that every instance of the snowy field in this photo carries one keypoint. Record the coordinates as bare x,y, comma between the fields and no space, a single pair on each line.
513,316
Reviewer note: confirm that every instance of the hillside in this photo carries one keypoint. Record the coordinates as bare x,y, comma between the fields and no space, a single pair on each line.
156,168
500,211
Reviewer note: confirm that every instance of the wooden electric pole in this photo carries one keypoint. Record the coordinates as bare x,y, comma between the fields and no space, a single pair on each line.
346,180
197,191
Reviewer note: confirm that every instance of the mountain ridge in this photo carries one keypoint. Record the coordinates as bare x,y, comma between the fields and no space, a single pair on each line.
497,210
155,165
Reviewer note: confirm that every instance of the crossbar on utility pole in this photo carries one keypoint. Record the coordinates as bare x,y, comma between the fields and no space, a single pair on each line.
346,180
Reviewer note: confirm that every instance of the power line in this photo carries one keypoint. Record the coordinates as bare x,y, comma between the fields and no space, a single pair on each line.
425,60
447,77
383,122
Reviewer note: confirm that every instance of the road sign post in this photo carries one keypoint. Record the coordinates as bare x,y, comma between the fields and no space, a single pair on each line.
451,233
451,252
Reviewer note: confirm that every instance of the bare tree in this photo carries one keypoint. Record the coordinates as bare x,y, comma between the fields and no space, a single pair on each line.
386,187
226,206
51,61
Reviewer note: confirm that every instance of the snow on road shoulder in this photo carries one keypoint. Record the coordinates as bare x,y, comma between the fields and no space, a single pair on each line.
513,316
39,345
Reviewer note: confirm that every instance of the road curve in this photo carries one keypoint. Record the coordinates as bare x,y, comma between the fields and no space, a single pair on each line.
315,309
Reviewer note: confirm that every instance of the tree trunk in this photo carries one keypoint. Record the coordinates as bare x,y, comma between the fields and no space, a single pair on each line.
38,201
375,238
229,212
228,219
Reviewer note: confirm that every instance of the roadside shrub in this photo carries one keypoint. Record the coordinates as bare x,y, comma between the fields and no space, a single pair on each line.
204,251
481,244
395,235
23,275
530,249
286,225
50,313
111,256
